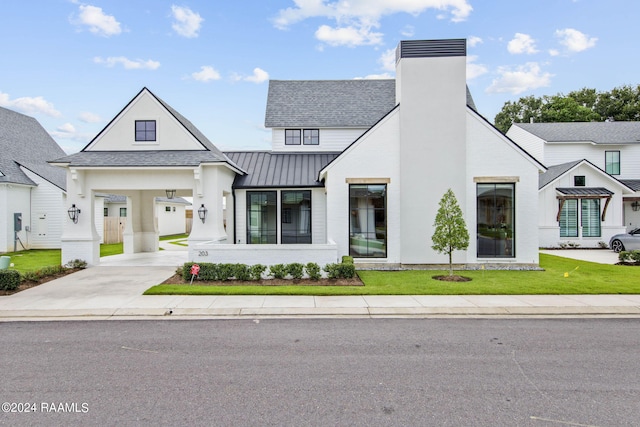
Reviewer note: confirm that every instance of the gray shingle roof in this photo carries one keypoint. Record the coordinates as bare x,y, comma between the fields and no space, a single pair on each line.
142,158
585,191
554,172
596,132
269,170
331,103
23,141
328,103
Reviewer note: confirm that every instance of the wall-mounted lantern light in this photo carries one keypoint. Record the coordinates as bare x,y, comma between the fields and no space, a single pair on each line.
74,213
171,194
202,213
635,206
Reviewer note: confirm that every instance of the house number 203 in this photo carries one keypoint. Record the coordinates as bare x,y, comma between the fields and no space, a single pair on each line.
203,253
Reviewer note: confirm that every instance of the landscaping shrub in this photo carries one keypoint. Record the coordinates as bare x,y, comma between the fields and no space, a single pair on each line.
340,271
226,271
278,271
9,280
313,270
208,271
629,256
296,270
241,272
346,259
255,271
76,263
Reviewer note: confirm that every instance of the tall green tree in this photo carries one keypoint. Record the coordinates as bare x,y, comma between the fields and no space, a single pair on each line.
450,229
584,105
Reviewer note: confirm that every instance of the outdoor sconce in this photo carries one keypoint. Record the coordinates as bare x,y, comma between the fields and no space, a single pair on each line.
635,206
170,194
74,213
202,213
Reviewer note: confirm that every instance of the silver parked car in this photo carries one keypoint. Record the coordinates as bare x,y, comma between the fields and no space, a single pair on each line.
626,242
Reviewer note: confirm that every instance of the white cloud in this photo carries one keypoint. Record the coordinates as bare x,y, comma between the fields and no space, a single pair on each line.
522,43
128,64
554,52
87,117
98,22
348,36
408,31
475,70
187,22
66,128
523,78
473,41
382,76
355,19
574,40
29,105
259,76
206,74
388,60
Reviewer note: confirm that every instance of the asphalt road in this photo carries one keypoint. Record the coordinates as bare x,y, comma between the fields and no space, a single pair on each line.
395,372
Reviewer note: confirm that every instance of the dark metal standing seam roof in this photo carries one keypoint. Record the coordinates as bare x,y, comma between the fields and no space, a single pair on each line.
266,169
585,191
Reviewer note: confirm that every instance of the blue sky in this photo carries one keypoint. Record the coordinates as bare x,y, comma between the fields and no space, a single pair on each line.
74,65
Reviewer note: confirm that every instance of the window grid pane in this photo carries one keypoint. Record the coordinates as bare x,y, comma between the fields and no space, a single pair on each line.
145,130
296,217
292,136
311,137
590,217
569,219
612,162
261,217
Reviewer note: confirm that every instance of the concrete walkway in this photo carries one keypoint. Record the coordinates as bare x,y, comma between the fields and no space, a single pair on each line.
114,290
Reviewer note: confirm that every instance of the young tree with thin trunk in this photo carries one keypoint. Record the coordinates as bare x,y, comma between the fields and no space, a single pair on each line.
450,230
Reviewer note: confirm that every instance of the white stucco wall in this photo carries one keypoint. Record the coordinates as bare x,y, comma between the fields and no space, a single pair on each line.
172,222
375,157
490,155
120,134
548,209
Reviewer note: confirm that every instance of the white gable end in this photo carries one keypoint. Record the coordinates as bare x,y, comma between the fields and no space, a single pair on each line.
120,134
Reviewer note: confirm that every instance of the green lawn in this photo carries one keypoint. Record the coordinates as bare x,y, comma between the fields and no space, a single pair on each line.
582,278
173,237
34,259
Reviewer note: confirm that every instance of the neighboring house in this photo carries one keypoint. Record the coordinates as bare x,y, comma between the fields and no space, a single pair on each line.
591,190
357,167
32,192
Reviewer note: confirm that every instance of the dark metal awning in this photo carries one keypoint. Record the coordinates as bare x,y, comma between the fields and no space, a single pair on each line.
566,193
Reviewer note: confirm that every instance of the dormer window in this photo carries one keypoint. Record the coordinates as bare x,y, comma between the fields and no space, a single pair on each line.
145,130
302,136
579,181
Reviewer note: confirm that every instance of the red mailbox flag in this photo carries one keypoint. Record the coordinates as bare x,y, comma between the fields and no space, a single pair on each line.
195,269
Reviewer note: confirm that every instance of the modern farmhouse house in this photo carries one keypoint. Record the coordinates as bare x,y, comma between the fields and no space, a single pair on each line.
591,190
357,167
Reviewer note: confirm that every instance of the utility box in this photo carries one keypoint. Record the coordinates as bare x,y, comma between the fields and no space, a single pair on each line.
17,222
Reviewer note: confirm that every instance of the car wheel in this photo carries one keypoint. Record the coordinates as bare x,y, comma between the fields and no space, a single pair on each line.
617,246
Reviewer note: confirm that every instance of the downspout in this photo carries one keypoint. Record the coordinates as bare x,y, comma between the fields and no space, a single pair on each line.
233,193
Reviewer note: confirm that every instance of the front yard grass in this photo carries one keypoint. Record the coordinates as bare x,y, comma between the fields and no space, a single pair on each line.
582,278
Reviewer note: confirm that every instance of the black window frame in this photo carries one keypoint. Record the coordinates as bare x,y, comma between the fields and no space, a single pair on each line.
496,230
289,135
354,216
314,136
579,181
266,236
289,215
145,135
612,170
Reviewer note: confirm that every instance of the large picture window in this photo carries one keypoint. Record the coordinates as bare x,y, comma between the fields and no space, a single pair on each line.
569,218
262,217
590,217
496,220
368,220
296,217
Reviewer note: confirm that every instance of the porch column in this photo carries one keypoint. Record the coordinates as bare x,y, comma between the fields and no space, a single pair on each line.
141,230
79,240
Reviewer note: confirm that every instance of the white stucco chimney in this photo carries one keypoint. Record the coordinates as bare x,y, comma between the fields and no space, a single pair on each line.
431,91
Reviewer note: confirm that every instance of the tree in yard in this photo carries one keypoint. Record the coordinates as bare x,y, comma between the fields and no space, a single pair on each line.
450,230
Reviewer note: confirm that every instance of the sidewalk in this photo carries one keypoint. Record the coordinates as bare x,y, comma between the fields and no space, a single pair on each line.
114,290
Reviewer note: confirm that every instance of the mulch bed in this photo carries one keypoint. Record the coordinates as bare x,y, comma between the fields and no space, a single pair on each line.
453,278
177,280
